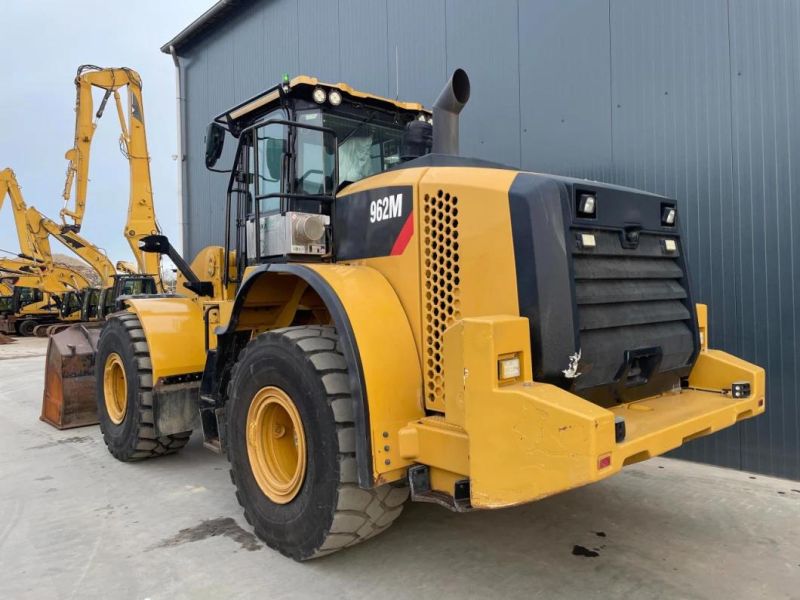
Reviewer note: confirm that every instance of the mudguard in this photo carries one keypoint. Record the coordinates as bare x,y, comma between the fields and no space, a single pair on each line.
176,336
378,345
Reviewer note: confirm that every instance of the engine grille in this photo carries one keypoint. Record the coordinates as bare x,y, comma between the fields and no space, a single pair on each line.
442,281
632,308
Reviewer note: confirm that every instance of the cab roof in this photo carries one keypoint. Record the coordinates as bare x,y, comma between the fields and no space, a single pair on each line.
302,87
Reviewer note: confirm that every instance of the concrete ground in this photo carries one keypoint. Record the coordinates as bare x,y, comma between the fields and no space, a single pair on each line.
74,523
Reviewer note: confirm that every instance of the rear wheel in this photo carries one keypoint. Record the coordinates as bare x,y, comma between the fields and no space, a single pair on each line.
124,382
291,445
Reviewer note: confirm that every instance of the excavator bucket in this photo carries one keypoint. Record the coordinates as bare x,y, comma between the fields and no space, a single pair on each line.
69,387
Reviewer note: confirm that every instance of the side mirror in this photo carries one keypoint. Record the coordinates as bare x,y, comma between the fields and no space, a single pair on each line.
215,139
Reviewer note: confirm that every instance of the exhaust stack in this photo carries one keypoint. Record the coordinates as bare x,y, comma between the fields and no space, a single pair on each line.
445,113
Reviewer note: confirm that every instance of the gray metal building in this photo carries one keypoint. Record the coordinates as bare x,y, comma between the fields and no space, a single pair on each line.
694,99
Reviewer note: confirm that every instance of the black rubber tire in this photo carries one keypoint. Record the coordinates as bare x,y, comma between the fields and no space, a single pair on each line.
330,511
26,327
133,439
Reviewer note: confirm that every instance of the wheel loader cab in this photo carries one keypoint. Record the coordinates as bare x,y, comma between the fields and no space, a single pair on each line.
410,322
299,144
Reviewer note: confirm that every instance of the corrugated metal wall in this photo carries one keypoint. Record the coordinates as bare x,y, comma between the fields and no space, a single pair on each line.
690,99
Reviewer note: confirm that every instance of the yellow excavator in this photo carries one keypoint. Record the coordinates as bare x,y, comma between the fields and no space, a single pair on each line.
77,301
390,320
71,351
38,299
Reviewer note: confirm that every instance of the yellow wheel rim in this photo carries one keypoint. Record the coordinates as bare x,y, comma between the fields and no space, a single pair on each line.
115,388
276,444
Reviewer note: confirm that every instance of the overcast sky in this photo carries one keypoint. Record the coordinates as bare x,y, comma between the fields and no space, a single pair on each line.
42,45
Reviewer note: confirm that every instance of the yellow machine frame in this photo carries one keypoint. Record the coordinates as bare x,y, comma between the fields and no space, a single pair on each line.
570,441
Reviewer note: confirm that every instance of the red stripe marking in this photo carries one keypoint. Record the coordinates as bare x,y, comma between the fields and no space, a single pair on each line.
404,236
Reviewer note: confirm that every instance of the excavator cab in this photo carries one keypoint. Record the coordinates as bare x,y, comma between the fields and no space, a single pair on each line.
24,296
112,299
91,304
71,303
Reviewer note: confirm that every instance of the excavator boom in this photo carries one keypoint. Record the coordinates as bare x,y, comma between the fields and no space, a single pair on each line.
10,187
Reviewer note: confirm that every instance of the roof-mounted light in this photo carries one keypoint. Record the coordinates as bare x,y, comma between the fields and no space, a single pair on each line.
319,95
335,97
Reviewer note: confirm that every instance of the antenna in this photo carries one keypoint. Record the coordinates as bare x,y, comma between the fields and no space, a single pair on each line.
396,72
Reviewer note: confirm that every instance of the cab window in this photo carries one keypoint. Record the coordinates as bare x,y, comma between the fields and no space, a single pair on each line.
270,147
366,147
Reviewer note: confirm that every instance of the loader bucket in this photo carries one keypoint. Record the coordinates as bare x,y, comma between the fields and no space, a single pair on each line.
69,385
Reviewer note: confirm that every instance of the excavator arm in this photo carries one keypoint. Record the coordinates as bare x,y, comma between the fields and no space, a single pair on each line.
141,220
41,228
55,279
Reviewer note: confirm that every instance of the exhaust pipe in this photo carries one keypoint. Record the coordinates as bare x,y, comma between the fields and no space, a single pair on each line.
445,113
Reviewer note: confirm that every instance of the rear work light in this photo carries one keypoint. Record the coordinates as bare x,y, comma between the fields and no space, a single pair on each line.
587,205
668,214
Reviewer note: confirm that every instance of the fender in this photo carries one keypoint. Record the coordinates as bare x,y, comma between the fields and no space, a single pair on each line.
378,346
164,320
176,371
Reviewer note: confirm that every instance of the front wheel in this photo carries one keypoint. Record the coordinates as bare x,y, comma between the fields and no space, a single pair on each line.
292,446
124,393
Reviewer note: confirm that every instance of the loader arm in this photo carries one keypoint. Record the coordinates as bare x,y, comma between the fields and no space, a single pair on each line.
141,220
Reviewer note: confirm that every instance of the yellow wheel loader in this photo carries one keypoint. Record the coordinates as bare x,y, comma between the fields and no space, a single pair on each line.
389,320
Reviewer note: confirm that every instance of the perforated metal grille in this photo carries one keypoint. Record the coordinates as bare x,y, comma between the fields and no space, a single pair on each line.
442,279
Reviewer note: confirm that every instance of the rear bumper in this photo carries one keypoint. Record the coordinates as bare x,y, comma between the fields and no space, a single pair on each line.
524,441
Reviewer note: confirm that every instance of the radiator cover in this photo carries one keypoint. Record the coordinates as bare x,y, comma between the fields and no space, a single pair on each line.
611,321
